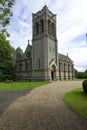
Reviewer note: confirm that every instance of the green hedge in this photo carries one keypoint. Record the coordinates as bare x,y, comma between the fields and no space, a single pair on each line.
85,85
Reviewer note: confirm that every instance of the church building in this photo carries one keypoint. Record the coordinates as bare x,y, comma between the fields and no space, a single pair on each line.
41,60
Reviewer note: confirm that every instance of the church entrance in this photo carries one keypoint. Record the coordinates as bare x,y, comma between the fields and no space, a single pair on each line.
53,72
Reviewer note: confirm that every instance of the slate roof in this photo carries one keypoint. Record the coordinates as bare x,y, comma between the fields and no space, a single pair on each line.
63,57
29,47
23,56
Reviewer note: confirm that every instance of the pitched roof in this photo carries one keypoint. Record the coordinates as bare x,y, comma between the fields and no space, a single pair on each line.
63,57
28,48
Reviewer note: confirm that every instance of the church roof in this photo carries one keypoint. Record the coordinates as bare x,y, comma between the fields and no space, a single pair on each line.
63,57
25,56
28,49
44,10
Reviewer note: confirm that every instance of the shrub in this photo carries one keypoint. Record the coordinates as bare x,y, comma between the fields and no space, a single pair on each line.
8,81
1,76
85,86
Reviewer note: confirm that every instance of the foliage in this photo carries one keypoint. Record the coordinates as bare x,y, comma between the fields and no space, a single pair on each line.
81,75
5,14
85,85
77,101
14,86
86,71
6,61
19,52
16,53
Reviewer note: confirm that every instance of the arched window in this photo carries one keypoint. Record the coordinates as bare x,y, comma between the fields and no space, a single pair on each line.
30,64
49,27
20,66
42,26
53,29
68,67
26,66
28,54
37,28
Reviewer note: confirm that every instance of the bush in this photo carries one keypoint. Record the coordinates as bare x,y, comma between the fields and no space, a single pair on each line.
1,76
8,81
85,86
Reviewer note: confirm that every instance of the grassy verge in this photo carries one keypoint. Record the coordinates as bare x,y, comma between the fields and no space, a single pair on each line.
77,79
77,101
20,85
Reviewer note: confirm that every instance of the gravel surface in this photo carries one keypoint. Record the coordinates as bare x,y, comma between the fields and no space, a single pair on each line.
43,109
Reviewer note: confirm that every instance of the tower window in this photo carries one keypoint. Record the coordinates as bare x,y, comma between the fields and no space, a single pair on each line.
37,28
42,26
53,29
49,27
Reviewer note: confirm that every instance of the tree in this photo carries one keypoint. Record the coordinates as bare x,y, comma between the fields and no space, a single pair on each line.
19,52
5,14
81,75
85,73
16,53
76,73
6,60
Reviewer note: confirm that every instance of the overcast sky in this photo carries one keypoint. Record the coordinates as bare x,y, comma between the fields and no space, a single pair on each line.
71,26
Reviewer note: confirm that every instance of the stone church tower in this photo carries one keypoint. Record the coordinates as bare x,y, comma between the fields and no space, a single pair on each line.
41,60
44,46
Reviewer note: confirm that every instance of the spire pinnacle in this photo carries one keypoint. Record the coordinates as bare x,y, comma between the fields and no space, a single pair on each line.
28,42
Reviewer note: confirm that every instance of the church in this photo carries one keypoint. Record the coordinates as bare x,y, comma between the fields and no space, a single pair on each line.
41,60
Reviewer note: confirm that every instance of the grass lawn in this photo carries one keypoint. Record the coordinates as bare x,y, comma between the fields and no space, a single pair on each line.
20,85
77,101
77,79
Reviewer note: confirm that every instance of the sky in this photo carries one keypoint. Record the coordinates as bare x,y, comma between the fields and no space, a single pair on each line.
71,26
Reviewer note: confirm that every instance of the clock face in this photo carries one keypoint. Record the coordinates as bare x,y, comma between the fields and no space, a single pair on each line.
28,54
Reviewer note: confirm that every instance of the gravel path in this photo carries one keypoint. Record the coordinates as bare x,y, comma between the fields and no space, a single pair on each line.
43,109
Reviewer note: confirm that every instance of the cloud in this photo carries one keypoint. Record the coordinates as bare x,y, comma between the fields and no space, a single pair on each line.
71,26
79,38
80,58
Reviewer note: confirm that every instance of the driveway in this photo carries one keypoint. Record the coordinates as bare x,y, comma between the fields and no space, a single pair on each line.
6,98
43,109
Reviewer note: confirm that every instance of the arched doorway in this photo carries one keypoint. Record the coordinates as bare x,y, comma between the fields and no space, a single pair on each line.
53,72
